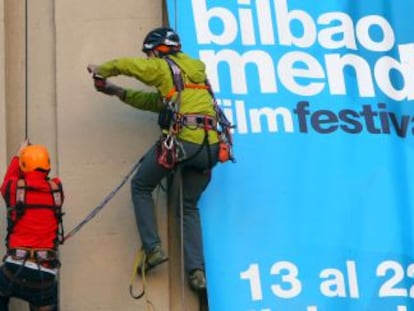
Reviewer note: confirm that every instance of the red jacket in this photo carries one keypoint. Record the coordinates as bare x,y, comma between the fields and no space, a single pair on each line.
38,227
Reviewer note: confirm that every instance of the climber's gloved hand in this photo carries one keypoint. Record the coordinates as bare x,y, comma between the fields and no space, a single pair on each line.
104,86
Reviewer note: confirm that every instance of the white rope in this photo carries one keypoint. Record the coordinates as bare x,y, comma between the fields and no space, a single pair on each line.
180,189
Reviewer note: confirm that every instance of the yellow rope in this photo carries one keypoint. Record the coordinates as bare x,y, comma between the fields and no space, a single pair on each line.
140,264
140,267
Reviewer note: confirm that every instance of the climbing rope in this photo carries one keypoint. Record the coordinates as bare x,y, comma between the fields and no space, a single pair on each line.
101,205
26,78
175,15
181,197
140,264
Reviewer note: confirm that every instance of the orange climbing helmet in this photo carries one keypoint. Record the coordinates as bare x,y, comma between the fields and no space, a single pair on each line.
34,157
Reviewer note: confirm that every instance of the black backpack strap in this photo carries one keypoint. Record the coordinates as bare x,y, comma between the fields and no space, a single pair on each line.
57,195
56,190
7,193
20,198
18,207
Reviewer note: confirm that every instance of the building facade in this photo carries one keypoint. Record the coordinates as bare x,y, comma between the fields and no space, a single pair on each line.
47,95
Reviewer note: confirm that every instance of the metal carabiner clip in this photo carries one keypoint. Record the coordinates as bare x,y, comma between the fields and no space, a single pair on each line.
168,142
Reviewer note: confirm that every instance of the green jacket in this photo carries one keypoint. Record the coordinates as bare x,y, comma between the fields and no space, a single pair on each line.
156,72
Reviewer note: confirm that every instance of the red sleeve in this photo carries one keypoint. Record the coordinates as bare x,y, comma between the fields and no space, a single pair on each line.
13,172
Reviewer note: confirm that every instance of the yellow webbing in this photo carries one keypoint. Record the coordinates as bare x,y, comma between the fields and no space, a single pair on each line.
140,263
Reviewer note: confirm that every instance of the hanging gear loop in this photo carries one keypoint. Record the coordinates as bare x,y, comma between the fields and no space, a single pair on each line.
16,211
101,205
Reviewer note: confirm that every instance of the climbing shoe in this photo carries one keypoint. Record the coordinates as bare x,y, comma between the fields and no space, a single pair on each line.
153,258
197,280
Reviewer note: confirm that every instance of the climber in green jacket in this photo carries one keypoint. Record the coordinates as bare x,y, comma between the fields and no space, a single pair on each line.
189,140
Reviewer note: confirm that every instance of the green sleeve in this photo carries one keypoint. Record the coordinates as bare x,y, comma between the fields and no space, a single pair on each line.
150,101
149,71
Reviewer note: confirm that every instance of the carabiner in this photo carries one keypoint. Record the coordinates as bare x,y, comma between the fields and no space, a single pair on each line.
168,142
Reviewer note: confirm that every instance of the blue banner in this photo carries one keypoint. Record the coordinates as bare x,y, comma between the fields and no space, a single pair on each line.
317,213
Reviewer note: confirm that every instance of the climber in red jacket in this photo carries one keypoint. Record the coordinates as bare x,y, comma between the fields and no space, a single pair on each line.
34,230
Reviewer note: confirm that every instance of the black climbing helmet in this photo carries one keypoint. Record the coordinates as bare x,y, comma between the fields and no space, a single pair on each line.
164,40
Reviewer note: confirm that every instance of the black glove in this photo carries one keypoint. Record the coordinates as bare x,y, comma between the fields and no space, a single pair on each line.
104,86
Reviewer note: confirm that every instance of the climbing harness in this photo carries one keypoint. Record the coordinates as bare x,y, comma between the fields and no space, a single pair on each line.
170,151
42,259
16,209
171,121
101,205
224,130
